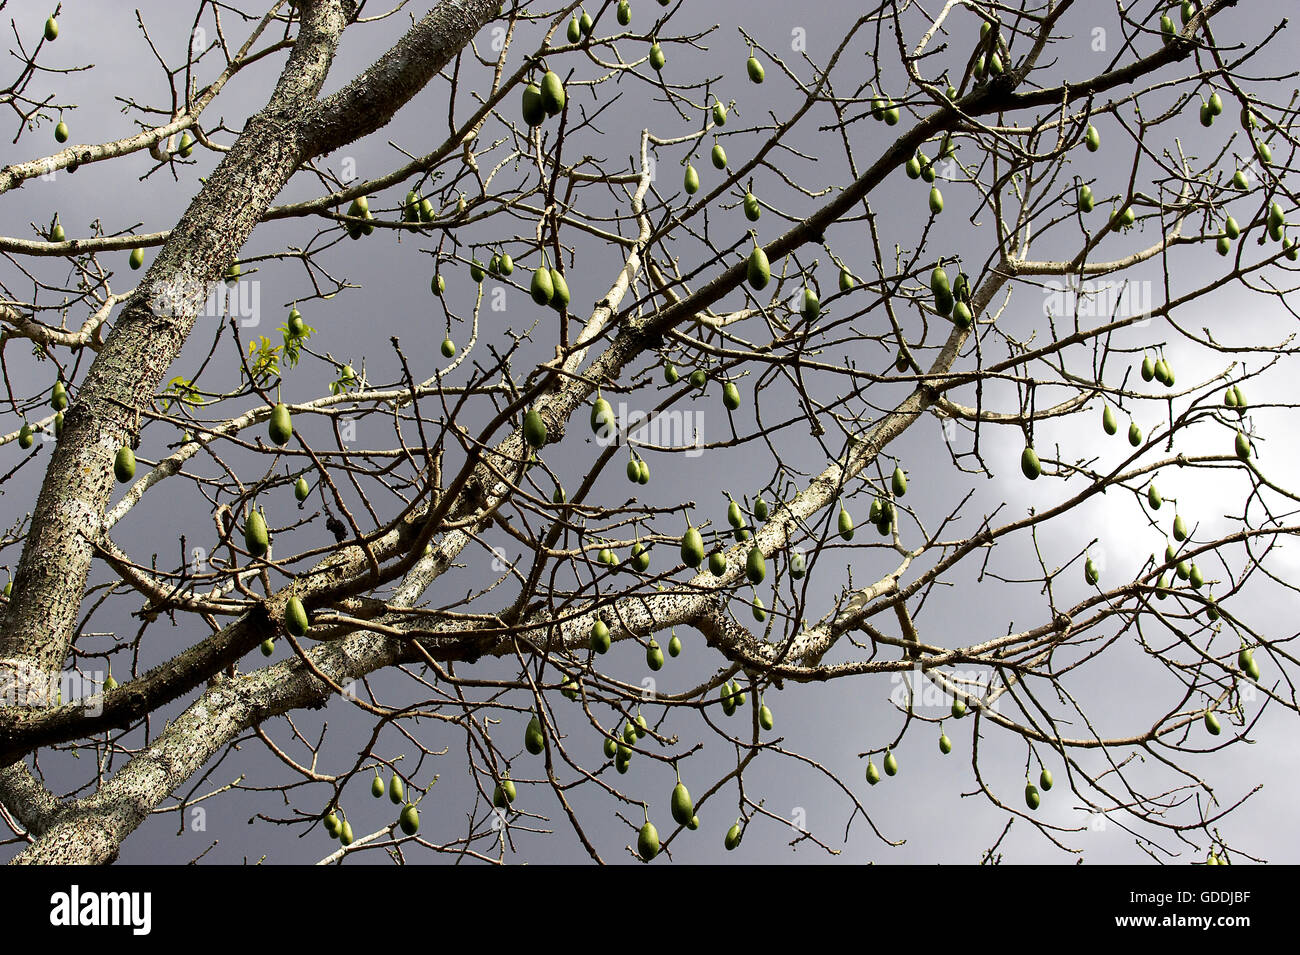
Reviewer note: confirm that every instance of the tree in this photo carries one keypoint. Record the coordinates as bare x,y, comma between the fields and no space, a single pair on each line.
948,217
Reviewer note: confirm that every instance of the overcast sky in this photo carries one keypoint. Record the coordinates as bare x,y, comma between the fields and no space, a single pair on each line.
932,808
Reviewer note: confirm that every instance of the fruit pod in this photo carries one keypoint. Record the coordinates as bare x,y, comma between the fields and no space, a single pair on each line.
295,617
124,464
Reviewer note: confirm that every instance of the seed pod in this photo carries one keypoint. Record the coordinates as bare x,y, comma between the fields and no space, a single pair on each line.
409,819
755,566
295,617
534,740
1032,798
757,270
657,58
256,539
600,639
754,69
1030,466
542,288
845,524
552,90
280,428
730,396
899,482
123,464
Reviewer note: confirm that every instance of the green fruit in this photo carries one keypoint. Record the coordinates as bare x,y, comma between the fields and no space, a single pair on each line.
670,373
297,327
698,378
448,348
760,509
136,258
752,209
1162,587
624,13
409,819
57,234
640,558
846,280
602,416
1242,446
396,790
533,110
945,744
899,482
630,735
377,787
534,429
692,547
61,132
719,156
1230,228
51,29
611,748
961,316
585,24
755,566
674,646
728,699
600,639
873,774
534,741
504,794
754,69
913,168
560,300
1045,779
295,618
734,517
1264,153
1246,663
256,539
657,58
575,30
719,114
123,463
1092,139
437,284
1108,422
760,614
1085,199
1148,368
281,427
552,90
301,489
58,424
691,180
682,807
268,647
812,306
730,396
845,524
1207,117
1030,466
718,563
1195,577
765,719
1090,573
109,684
654,656
1212,723
892,115
732,839
541,287
798,565
1180,528
58,396
936,200
345,833
1241,399
891,764
1032,798
1239,180
1134,434
757,270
